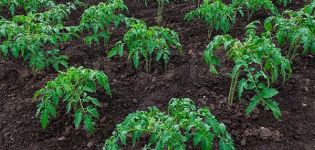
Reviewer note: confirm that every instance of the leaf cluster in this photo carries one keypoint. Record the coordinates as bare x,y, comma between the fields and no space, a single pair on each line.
145,42
26,36
216,15
294,28
72,87
257,61
183,123
100,18
247,8
27,5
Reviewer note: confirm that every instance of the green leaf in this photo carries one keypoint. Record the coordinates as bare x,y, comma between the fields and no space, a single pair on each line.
252,104
44,119
269,92
196,139
268,25
88,124
241,85
273,105
93,111
102,79
112,53
225,145
94,101
213,70
313,48
77,118
135,136
90,86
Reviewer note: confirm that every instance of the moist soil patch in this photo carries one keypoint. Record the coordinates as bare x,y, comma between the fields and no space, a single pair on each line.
134,89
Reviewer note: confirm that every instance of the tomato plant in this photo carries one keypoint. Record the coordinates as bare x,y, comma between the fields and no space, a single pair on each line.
294,28
247,8
144,42
26,36
99,19
172,130
27,5
259,60
72,87
217,15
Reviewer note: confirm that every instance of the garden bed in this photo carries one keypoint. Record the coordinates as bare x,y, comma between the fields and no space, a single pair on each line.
134,89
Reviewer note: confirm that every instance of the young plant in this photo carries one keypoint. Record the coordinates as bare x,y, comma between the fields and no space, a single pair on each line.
99,19
258,62
73,88
296,29
26,37
217,15
161,4
144,42
172,130
247,8
27,5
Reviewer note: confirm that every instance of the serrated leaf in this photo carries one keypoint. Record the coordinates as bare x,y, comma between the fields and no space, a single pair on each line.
102,79
269,92
252,104
88,123
93,111
90,86
77,118
44,119
273,105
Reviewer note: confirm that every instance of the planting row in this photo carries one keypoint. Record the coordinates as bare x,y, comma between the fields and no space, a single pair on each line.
258,64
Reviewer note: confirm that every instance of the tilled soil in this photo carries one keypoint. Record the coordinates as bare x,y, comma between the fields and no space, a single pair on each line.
134,89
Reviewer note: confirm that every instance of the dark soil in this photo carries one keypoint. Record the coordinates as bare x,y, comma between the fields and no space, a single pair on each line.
134,89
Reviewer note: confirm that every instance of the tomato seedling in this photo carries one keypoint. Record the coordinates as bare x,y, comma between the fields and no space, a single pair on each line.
72,87
172,130
145,42
258,62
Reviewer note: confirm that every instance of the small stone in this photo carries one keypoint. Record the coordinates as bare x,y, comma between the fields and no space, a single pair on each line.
90,144
105,104
227,122
135,101
265,133
285,113
103,120
212,107
19,108
153,79
307,82
304,105
67,130
306,89
61,138
6,135
243,142
32,147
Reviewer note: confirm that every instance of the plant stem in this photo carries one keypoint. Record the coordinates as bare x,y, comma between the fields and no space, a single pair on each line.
233,86
160,9
210,30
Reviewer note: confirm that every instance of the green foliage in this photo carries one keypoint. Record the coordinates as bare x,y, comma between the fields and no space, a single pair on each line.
27,5
216,15
172,130
144,42
259,60
99,19
247,8
294,28
26,37
72,87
